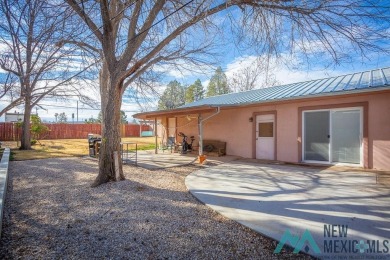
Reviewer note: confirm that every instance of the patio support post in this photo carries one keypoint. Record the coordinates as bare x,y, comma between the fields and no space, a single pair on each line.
200,130
155,135
200,127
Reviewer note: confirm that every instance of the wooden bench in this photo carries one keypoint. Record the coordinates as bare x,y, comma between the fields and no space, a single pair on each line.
211,147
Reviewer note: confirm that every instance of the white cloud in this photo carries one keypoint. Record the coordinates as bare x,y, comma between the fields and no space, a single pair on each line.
50,106
3,49
239,63
205,83
286,76
182,69
286,70
310,47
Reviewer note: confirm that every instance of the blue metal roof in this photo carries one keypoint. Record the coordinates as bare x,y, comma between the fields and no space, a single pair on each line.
346,84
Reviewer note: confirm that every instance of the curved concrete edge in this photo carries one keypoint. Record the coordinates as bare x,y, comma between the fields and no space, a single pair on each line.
201,177
202,173
260,198
3,182
189,180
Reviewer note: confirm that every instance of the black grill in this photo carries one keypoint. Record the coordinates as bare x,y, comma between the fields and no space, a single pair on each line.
92,139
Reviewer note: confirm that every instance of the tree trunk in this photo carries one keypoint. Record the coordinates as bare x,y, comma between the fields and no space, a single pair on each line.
25,143
111,95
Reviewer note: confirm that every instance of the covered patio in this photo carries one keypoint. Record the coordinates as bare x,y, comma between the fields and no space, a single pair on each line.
153,161
169,125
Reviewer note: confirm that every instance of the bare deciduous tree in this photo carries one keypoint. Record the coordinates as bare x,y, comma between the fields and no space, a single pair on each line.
38,65
256,74
131,37
9,89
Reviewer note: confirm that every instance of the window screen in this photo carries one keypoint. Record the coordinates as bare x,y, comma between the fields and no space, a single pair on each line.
266,129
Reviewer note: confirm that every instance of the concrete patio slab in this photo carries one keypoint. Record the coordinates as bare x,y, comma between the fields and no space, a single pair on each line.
150,160
273,198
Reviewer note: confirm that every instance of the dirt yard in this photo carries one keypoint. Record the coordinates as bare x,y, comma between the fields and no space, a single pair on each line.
52,213
66,148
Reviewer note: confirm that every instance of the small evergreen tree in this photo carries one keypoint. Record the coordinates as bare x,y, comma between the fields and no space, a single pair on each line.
99,118
173,96
62,118
37,128
123,117
218,84
190,94
194,92
91,120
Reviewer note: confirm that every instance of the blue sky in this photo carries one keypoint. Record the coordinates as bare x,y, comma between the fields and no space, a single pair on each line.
230,62
288,69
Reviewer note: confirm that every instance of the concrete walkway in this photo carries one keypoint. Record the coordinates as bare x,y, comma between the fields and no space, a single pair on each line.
272,198
150,160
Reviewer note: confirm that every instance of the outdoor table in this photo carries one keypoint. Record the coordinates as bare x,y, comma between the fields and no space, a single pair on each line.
129,155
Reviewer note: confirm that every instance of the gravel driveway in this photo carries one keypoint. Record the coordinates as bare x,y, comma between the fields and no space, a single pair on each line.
51,212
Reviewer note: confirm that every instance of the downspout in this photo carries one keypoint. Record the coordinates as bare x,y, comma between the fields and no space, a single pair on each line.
200,126
155,135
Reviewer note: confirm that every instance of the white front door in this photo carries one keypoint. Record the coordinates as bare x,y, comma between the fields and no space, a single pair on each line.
265,137
172,127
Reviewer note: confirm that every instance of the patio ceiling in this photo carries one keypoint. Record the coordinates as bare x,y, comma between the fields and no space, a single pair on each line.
176,112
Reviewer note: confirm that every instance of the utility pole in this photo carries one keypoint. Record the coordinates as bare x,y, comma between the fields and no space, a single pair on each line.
77,111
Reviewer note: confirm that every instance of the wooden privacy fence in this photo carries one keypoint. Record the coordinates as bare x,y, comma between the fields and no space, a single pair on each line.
130,130
9,131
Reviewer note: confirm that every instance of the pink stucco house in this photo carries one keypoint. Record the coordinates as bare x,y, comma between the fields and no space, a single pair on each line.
339,120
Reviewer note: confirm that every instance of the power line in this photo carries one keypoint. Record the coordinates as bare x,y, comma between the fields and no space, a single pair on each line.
80,108
96,109
83,108
140,33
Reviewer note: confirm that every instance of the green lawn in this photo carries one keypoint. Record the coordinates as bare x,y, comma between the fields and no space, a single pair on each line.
66,148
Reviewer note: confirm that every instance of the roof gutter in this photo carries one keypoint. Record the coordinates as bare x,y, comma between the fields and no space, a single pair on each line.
176,111
200,127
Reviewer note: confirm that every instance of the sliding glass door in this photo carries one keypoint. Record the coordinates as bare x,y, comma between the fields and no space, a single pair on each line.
346,141
316,134
332,136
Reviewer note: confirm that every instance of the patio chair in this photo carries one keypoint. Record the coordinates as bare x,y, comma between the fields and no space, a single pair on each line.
169,145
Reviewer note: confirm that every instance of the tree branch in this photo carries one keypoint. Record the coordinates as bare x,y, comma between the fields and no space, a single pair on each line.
135,42
86,18
174,34
83,45
13,104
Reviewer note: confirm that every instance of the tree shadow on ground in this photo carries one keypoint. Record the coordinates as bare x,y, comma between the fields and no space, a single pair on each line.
51,212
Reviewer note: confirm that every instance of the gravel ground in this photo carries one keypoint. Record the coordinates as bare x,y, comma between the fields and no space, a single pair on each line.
52,213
